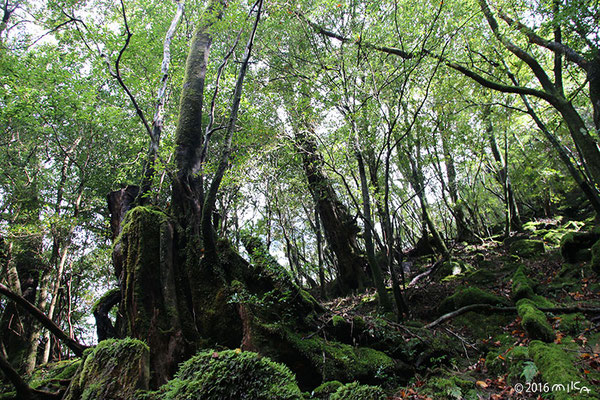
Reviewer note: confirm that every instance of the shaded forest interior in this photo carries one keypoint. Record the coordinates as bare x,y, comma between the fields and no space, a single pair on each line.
300,200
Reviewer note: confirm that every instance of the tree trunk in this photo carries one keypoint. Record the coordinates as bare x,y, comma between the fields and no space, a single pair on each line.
513,219
376,271
463,233
339,227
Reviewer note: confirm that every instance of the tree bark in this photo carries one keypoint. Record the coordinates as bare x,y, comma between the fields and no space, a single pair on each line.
339,227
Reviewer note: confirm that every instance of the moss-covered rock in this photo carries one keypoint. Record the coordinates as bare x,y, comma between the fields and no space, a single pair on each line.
556,367
451,388
482,276
521,286
574,246
338,361
534,321
231,375
52,377
326,389
115,369
467,296
356,391
527,248
452,268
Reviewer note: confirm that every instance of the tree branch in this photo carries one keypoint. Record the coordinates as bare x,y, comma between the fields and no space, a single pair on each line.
556,47
536,68
75,346
488,307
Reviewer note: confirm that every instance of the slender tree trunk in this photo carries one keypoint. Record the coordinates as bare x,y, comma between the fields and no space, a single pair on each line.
512,218
376,271
463,233
418,184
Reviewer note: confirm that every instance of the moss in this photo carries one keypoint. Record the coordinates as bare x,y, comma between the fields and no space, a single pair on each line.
338,361
359,323
450,387
556,368
103,298
534,321
483,326
338,320
356,391
452,268
574,246
595,262
481,276
231,374
527,248
50,376
521,286
516,359
572,324
324,390
104,375
467,296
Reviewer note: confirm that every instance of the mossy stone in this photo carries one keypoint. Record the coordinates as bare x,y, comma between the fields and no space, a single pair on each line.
482,275
49,377
338,361
557,368
452,268
534,321
573,246
467,296
326,389
356,391
527,248
114,369
231,375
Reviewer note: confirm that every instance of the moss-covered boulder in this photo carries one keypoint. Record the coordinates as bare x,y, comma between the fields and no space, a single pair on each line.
574,246
54,377
467,296
452,268
113,370
326,389
534,321
521,285
231,375
315,360
356,391
527,248
556,368
480,276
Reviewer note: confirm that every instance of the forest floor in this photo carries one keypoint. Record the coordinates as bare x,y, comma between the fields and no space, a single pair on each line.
492,355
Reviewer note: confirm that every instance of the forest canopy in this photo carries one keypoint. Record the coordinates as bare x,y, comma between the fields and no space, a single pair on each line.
181,176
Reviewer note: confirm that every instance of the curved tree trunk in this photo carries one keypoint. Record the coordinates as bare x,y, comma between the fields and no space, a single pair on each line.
340,228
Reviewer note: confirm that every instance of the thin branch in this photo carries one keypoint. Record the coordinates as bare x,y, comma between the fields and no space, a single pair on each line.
488,307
